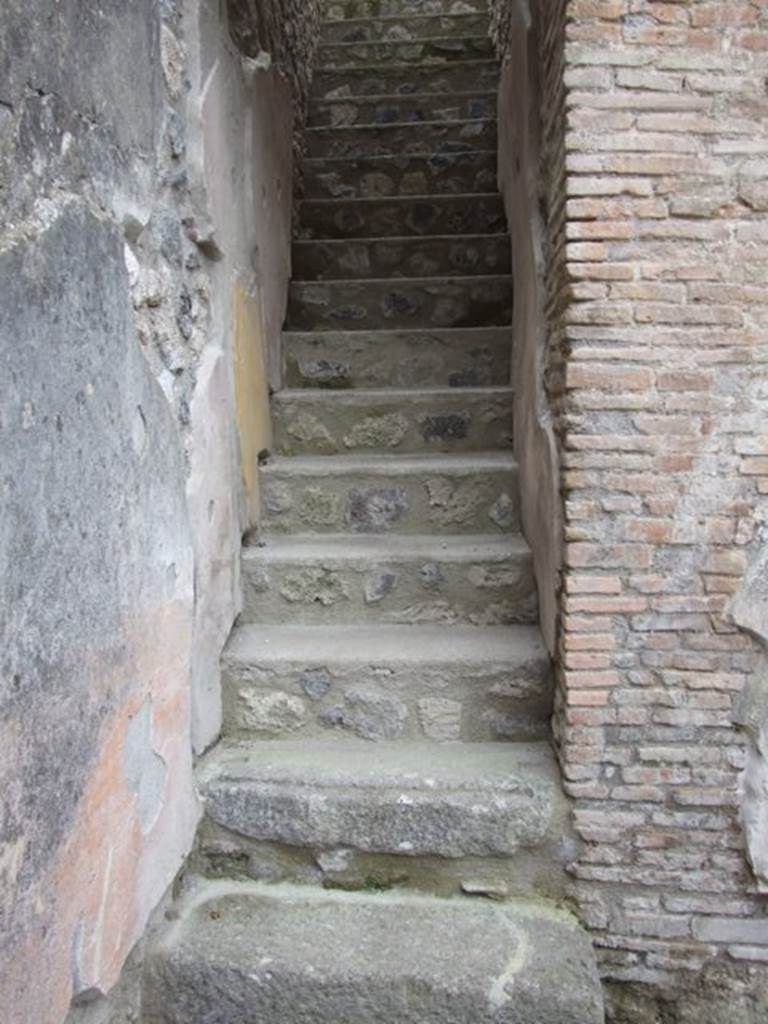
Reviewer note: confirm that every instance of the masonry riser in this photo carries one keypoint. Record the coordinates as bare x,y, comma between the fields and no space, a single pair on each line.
403,175
398,217
353,9
382,701
414,27
396,304
221,853
399,109
432,139
444,256
379,359
387,79
441,50
434,500
476,591
412,422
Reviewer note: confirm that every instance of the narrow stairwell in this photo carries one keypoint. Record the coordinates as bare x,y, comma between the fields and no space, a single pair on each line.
385,833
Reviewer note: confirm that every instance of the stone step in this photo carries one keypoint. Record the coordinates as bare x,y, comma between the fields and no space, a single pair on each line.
421,256
479,580
388,420
357,110
374,177
430,302
241,952
462,357
473,492
402,216
353,142
387,682
410,798
388,78
434,51
404,27
350,9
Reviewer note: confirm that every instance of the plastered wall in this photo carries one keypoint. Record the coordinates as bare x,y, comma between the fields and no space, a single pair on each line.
145,185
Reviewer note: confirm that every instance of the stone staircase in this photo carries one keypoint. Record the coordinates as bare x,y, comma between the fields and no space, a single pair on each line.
385,832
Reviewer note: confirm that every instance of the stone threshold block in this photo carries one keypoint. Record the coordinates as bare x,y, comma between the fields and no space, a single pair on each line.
241,953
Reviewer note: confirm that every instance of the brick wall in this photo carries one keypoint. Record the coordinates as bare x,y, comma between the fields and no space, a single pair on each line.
657,308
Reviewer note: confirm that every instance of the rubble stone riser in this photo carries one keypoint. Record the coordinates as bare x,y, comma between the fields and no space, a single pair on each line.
348,9
381,701
415,303
397,422
473,171
366,141
537,873
419,26
428,51
436,500
350,110
477,591
397,217
403,79
444,256
378,359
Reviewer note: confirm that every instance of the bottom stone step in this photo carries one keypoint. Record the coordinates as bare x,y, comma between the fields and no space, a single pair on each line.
241,953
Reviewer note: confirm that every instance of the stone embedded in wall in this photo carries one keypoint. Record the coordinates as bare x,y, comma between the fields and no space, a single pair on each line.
749,610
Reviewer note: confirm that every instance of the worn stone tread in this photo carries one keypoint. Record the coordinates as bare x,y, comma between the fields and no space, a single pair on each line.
365,550
288,954
388,420
452,357
411,256
412,645
413,798
413,492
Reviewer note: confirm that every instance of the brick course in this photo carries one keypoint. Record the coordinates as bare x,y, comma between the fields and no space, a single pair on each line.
653,166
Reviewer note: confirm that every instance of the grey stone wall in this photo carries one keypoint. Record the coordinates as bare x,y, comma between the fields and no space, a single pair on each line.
145,185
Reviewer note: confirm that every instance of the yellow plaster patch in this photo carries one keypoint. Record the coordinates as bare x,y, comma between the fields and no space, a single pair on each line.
251,393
